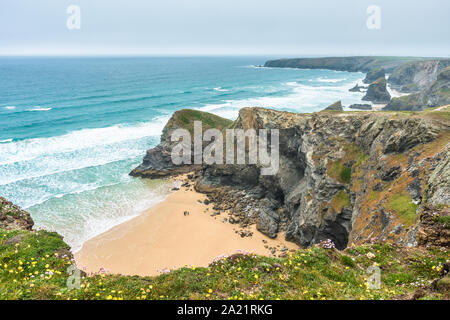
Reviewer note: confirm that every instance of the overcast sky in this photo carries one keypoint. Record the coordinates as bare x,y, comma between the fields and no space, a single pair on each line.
223,27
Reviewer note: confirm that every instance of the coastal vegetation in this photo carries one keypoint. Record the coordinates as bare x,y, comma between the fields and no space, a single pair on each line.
36,265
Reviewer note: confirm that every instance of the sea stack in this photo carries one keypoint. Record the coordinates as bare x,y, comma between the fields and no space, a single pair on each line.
377,92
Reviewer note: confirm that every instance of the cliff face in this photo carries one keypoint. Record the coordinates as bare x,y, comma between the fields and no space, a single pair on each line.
348,177
418,75
436,94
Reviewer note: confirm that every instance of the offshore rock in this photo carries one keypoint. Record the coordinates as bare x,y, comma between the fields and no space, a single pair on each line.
377,92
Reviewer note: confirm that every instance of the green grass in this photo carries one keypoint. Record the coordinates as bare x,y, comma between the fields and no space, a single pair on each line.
340,201
405,209
340,172
445,220
185,118
36,268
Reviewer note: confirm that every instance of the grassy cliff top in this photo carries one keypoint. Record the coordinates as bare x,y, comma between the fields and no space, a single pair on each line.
185,119
34,265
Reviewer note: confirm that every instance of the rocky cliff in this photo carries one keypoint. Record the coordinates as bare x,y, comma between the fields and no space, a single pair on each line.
416,75
436,94
348,177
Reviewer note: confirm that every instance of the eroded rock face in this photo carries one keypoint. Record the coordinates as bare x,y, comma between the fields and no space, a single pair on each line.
13,217
347,177
417,75
324,177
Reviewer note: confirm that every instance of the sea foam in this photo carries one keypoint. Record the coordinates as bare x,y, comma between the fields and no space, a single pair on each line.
39,109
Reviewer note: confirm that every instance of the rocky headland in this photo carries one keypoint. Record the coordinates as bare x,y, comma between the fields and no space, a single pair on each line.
351,64
348,177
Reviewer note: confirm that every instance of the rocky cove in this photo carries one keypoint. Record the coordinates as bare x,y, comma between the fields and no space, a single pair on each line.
373,182
422,82
348,177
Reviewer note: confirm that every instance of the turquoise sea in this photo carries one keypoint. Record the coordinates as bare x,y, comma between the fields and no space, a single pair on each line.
71,129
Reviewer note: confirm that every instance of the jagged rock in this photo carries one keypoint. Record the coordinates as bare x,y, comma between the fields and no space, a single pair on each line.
374,74
377,92
13,217
337,106
357,88
415,190
391,173
438,191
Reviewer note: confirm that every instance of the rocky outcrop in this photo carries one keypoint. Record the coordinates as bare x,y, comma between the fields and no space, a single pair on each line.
348,177
158,161
434,228
361,106
337,106
352,64
374,74
435,95
377,92
357,88
13,217
417,75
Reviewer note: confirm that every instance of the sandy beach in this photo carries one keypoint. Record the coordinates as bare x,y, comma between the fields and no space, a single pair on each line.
163,237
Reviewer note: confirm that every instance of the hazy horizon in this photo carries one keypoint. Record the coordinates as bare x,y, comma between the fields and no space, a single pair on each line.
284,28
